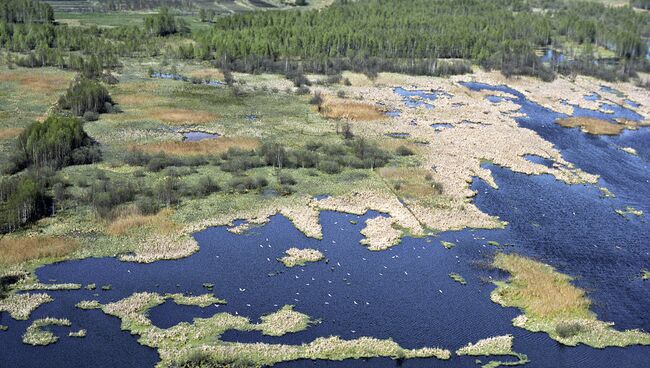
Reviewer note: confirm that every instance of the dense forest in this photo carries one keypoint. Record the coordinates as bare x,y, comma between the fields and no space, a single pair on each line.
411,35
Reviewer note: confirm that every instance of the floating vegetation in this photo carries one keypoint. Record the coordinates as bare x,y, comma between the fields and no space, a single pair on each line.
88,304
498,345
80,333
448,245
179,344
630,150
20,306
91,287
458,278
629,211
645,274
208,286
35,335
49,287
199,301
4,328
553,305
606,193
107,287
597,126
494,243
300,257
284,321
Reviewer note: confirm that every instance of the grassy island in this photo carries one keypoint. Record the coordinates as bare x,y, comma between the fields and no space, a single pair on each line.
553,305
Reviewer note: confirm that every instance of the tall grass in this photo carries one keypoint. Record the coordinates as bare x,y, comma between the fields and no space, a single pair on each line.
204,147
540,290
350,110
18,250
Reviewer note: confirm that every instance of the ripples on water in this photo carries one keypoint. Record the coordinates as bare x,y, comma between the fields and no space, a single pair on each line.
403,293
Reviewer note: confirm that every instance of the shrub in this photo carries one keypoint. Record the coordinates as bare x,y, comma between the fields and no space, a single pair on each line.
330,167
568,329
286,179
206,186
404,151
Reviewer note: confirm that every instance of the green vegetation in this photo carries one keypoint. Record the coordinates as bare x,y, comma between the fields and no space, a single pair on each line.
446,244
553,305
202,301
86,96
414,34
36,335
499,345
458,278
645,274
198,343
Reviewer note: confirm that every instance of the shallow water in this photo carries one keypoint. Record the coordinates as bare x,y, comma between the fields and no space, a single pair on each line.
198,136
403,293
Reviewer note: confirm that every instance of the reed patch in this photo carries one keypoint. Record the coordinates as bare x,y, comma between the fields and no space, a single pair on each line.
351,110
181,116
553,305
300,257
203,147
14,250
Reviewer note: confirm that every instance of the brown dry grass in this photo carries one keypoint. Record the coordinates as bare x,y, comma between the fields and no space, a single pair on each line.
18,250
10,133
539,289
410,182
351,110
213,74
36,80
181,116
130,219
204,147
592,125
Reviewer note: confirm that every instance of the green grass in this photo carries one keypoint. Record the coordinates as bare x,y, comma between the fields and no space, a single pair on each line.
181,342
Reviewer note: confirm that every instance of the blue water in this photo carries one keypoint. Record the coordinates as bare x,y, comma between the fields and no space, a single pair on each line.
403,293
198,136
180,77
417,98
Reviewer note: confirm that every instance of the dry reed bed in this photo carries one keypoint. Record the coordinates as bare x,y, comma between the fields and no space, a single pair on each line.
202,301
9,133
300,257
380,234
202,147
16,250
498,345
35,335
592,125
177,343
553,305
21,306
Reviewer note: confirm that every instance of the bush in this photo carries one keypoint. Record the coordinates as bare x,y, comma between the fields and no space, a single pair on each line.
404,151
568,329
286,179
90,116
330,167
206,186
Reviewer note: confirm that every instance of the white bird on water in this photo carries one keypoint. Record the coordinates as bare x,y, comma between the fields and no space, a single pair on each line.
242,290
